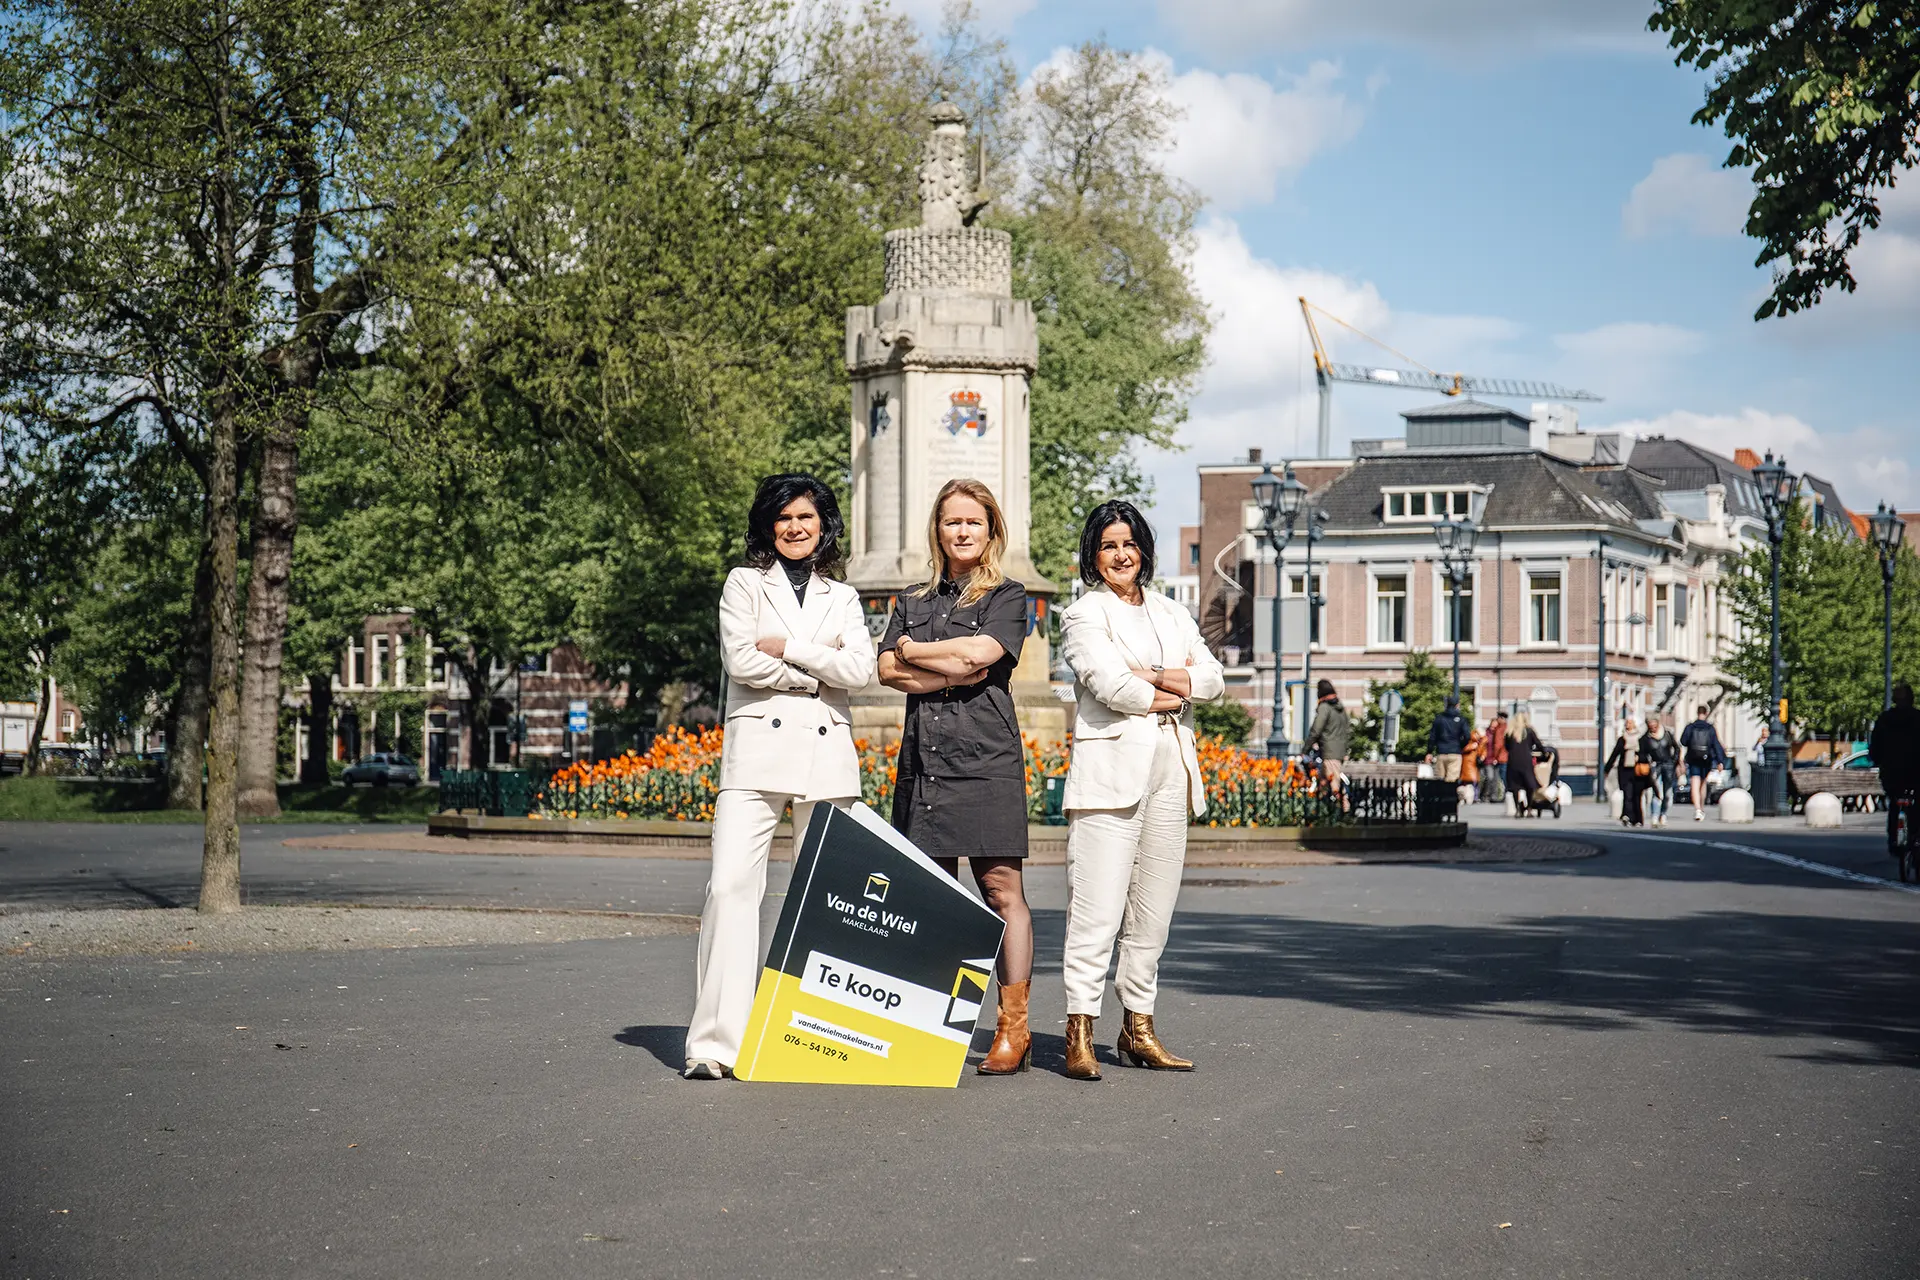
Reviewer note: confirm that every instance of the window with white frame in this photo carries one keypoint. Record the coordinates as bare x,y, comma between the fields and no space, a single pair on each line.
1444,623
399,662
69,721
1543,606
1639,610
1419,504
1297,587
356,663
436,665
377,673
1390,609
1662,617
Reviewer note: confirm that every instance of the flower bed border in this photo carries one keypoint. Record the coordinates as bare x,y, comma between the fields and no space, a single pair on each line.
696,837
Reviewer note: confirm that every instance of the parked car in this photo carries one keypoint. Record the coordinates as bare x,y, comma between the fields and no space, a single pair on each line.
382,769
1852,760
68,760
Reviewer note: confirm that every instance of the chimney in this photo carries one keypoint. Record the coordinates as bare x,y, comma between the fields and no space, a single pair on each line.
1253,455
1746,458
1716,505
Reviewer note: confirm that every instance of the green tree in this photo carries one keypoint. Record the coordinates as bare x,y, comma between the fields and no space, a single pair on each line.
1101,238
1822,99
1831,610
1227,720
1424,687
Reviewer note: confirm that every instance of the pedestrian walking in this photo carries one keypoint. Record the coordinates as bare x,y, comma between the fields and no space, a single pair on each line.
1524,752
1631,772
1470,767
1331,734
1658,749
1133,783
1493,776
960,786
1447,739
1700,748
794,643
1894,748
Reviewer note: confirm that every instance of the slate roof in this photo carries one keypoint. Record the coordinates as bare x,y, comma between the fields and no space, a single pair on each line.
1831,511
1530,489
1684,467
1462,407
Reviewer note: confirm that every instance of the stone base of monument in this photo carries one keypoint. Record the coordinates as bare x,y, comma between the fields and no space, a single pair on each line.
1736,805
1823,809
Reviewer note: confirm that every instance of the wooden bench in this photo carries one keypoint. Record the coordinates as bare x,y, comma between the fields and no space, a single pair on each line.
1858,790
1380,770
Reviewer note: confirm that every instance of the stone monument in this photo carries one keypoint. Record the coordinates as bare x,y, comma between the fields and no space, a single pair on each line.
941,368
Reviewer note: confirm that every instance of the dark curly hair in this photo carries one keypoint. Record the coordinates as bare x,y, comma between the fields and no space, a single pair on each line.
1115,512
771,499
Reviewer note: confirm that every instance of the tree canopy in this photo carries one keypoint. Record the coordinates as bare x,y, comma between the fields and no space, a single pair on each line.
1822,100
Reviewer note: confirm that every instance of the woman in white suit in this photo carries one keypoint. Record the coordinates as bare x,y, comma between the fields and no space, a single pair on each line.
794,643
1139,664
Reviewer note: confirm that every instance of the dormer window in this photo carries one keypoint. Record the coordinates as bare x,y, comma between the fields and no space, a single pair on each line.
1409,505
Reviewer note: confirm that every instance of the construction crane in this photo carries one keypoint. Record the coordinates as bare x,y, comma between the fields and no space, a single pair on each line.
1420,378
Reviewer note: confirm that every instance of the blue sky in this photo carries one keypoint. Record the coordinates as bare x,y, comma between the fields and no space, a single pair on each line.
1505,188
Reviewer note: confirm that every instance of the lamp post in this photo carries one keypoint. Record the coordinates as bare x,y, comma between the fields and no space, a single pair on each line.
1889,531
1457,539
1777,487
1279,498
1600,567
1315,518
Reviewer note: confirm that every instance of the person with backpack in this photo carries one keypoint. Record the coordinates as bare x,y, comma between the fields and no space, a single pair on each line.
1659,750
1700,745
1447,740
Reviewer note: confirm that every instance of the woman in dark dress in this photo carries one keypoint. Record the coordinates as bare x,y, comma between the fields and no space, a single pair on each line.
960,790
1626,763
1523,746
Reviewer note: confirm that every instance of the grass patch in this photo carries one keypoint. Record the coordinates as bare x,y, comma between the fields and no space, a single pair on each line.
72,800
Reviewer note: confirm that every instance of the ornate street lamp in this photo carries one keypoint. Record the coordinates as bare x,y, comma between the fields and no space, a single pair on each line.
1279,498
1778,487
1457,539
1889,531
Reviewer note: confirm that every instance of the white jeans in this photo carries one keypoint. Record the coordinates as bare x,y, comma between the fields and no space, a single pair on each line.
730,961
1123,876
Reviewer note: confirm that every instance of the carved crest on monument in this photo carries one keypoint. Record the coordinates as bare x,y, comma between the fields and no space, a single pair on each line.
967,417
950,194
879,418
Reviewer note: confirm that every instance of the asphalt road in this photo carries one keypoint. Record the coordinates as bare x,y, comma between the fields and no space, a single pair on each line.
1669,1060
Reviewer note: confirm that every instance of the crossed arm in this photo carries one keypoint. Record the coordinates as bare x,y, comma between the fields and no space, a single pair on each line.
928,666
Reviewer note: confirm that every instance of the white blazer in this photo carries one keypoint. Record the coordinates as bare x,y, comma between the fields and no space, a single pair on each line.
1114,731
789,727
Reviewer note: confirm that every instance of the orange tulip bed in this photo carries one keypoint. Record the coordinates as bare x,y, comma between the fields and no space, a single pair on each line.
677,777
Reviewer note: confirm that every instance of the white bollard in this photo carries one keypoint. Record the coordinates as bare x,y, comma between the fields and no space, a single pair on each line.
1823,809
1617,802
1736,805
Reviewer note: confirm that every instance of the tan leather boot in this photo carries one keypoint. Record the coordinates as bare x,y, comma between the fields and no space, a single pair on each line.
1139,1044
1081,1064
1012,1043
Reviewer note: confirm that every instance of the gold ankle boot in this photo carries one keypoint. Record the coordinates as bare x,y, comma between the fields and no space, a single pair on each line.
1081,1064
1012,1043
1139,1044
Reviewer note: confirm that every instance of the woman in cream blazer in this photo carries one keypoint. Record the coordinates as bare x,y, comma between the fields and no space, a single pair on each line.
795,644
1133,782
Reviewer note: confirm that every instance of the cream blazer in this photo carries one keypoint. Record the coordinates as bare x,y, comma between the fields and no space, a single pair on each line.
1114,732
789,728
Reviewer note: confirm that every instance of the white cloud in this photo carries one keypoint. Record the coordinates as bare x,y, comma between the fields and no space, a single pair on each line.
1687,192
1866,464
1237,28
995,15
1886,272
1258,389
1241,133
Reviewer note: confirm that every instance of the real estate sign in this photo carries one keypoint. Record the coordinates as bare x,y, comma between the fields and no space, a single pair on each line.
878,966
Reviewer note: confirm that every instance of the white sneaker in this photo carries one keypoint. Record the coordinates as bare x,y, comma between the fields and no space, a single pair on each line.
704,1069
1699,816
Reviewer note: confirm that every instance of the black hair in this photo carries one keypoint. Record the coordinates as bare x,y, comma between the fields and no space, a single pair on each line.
771,499
1115,511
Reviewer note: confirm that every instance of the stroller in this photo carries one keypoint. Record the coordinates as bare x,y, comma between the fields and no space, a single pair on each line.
1545,798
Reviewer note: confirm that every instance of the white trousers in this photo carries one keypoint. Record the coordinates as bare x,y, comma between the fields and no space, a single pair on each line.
730,960
1123,876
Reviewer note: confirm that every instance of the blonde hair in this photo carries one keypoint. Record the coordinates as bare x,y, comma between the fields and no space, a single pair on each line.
987,574
1517,726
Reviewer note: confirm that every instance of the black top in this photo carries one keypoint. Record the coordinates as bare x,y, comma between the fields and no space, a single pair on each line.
1895,748
799,573
968,731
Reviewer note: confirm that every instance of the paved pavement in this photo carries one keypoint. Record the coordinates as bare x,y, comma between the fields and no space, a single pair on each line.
1674,1059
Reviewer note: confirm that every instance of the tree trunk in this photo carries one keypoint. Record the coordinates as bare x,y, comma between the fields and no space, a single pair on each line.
273,528
187,718
220,856
313,769
42,705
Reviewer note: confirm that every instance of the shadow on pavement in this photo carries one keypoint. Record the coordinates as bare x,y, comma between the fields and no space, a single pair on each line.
668,1044
1847,981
